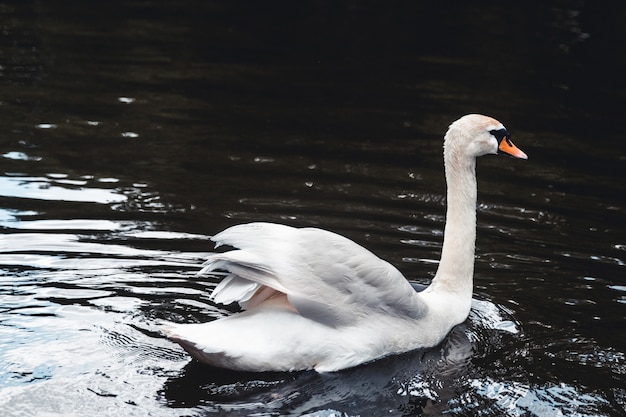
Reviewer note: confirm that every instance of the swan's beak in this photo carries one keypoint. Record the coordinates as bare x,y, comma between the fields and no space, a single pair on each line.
508,147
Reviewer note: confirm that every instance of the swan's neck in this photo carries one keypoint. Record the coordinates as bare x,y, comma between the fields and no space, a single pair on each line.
456,268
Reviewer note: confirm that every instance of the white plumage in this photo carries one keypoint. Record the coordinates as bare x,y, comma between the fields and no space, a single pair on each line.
313,299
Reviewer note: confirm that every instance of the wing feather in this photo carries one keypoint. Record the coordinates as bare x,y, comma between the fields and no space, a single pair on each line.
234,289
326,277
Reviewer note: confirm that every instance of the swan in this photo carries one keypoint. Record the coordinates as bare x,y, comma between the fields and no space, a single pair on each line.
312,299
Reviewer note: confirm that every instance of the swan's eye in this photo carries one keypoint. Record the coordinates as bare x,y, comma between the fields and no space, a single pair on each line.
501,134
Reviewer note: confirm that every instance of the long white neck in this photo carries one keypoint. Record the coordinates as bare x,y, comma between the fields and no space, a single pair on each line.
456,268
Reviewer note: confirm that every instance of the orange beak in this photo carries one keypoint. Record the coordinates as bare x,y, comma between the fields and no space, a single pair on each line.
507,146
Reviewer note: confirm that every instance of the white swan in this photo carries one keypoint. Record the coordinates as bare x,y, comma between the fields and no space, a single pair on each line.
315,300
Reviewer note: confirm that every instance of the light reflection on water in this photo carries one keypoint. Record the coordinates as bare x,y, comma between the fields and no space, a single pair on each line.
44,188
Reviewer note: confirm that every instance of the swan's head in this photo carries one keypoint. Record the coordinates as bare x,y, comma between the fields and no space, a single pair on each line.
476,135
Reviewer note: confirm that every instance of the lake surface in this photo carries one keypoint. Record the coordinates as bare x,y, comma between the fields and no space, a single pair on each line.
133,131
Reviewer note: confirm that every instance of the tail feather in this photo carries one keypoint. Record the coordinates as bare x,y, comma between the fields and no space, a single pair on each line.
219,359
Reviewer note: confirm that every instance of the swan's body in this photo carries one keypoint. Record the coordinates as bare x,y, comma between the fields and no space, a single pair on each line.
317,300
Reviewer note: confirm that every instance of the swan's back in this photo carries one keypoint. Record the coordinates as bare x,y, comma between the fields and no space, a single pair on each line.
313,300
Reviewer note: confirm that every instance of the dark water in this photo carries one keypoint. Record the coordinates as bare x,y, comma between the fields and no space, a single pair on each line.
132,131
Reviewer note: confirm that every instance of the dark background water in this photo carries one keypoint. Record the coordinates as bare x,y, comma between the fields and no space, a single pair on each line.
131,131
